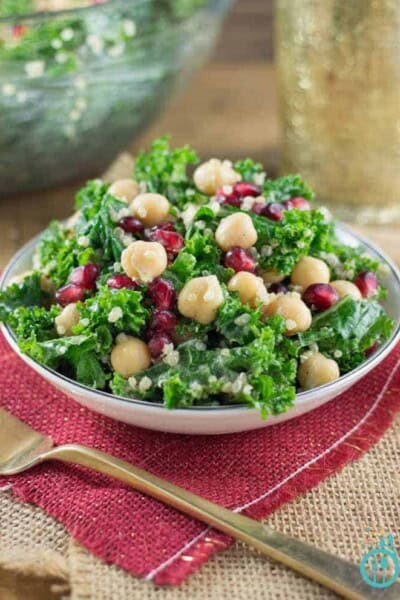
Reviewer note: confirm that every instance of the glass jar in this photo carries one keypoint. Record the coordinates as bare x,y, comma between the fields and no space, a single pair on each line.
339,81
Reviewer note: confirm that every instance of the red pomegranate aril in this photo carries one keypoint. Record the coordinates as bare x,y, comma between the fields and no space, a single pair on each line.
171,240
157,343
278,288
243,189
372,349
131,225
85,276
298,202
239,259
162,293
165,226
228,198
258,208
367,283
162,321
70,293
120,281
320,296
273,211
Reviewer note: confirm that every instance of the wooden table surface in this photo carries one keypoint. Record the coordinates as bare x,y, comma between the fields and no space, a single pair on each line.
228,111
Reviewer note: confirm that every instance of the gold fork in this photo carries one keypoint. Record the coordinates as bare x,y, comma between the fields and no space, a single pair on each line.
22,448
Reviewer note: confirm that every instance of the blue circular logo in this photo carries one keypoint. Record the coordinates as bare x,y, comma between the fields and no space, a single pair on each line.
380,567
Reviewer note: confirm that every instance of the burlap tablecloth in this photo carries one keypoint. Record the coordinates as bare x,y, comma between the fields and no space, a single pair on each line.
333,516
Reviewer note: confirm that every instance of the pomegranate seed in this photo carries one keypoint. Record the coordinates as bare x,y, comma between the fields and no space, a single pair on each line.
171,240
278,288
70,293
297,202
258,208
243,189
320,296
162,321
367,283
372,349
239,190
119,281
157,343
239,259
165,226
273,211
230,198
162,293
85,276
131,225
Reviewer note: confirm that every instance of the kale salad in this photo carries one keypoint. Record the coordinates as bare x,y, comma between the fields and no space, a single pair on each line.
198,284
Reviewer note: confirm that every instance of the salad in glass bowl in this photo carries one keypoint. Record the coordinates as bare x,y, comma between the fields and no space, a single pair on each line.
198,285
80,79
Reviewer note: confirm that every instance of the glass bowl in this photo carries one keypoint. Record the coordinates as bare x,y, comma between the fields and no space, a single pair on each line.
77,86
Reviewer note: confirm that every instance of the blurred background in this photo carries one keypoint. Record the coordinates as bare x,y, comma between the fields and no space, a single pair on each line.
336,119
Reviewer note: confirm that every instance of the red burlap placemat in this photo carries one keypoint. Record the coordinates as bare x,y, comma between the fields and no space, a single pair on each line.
254,472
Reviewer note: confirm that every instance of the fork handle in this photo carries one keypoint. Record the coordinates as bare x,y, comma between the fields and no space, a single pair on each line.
330,571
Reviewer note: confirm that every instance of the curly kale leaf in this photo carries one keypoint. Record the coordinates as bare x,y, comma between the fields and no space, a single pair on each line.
99,213
96,315
347,330
58,252
34,321
89,199
74,356
260,374
28,293
164,171
281,244
284,188
247,168
201,256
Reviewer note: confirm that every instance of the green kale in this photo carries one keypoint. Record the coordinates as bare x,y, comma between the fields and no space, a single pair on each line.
281,244
347,330
9,8
284,188
248,169
259,374
58,253
201,256
36,44
89,199
34,320
73,356
164,171
97,315
28,293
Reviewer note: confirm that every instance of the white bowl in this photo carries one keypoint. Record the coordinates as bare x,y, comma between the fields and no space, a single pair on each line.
212,420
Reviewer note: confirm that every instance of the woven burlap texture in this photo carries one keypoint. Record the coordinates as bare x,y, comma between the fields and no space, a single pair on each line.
333,516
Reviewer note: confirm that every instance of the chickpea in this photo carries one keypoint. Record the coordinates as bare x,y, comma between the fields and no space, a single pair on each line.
66,320
292,308
213,174
151,209
317,370
236,230
200,299
346,288
310,270
124,189
272,276
130,356
250,288
144,260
